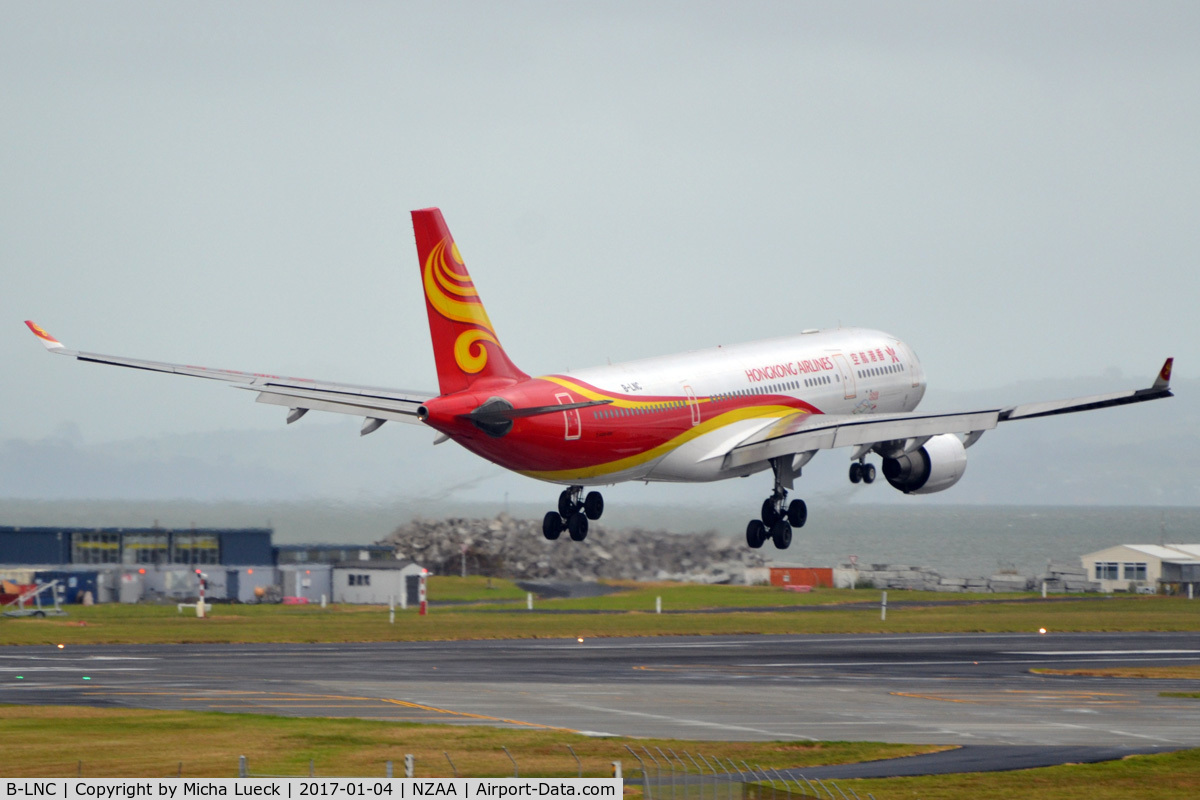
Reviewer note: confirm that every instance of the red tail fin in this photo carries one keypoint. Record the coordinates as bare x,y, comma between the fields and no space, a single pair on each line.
465,346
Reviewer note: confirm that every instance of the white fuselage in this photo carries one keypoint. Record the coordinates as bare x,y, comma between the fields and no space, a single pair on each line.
835,371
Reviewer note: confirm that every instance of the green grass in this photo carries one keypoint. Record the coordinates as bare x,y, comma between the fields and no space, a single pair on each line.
640,596
61,741
1163,777
472,589
117,623
1189,672
51,741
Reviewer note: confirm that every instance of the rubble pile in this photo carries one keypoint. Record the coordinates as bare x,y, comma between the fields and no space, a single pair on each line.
1057,577
1066,578
928,579
515,548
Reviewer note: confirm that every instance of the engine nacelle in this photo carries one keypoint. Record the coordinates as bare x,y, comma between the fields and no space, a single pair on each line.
934,467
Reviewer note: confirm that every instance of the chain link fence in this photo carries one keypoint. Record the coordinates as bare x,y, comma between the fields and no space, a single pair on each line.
662,775
683,776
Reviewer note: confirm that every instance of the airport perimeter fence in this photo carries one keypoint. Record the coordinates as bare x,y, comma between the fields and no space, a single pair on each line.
662,777
700,777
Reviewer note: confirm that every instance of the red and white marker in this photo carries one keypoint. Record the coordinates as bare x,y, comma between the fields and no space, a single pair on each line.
200,576
421,591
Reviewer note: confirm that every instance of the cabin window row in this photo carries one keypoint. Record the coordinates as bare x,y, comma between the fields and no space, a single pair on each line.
637,411
872,372
775,388
821,380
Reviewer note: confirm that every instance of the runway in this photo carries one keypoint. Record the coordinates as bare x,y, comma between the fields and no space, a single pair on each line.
963,689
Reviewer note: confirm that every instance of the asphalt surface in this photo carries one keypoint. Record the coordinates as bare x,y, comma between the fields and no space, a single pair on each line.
963,689
969,758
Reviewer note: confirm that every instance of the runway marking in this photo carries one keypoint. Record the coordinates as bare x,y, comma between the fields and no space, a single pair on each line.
677,720
58,657
1119,733
753,669
485,717
928,697
1142,736
81,668
286,697
181,696
1101,652
275,705
1006,697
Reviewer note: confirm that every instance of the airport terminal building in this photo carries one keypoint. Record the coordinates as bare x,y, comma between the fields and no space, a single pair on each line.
131,565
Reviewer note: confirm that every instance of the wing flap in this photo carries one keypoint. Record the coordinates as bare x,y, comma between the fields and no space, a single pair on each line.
345,405
803,432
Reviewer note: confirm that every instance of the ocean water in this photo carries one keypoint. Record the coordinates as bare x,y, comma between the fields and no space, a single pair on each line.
958,541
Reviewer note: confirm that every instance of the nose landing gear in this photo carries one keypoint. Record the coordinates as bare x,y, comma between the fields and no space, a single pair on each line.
778,516
573,514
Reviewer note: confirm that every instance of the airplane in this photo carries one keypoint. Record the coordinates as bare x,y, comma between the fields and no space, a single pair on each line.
707,415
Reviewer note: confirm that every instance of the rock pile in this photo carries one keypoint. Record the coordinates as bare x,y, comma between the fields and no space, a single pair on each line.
513,548
902,576
1066,578
1058,578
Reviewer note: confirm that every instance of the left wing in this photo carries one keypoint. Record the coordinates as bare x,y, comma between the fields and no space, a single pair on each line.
301,395
804,432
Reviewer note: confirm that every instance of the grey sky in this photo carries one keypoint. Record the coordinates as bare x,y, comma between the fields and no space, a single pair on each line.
1012,188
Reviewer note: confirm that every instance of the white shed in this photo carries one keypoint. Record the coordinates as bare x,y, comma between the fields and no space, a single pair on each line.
376,582
1130,567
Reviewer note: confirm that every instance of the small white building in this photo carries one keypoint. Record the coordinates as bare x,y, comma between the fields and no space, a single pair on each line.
309,581
376,582
1134,567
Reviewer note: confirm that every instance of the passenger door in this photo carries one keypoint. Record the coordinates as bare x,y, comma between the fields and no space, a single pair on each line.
574,426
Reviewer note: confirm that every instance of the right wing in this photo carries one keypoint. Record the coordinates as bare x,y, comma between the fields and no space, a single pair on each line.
804,432
300,395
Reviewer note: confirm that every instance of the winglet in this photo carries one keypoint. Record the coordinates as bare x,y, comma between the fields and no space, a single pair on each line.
1163,380
48,341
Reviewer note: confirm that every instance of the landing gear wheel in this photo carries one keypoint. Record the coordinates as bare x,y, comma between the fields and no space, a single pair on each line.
781,534
856,472
769,515
756,533
868,473
577,525
552,525
797,513
566,504
593,505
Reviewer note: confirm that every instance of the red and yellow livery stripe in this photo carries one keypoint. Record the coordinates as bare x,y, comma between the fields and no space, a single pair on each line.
658,440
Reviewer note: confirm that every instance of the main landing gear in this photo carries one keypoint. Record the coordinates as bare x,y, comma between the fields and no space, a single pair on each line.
573,514
778,516
862,472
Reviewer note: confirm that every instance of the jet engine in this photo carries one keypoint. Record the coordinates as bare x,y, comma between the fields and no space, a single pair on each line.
933,467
